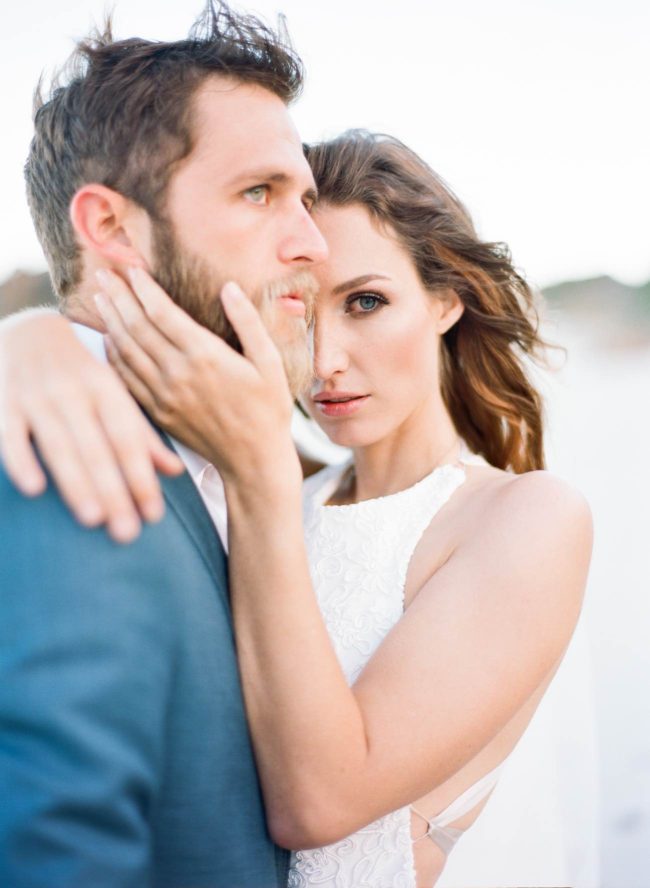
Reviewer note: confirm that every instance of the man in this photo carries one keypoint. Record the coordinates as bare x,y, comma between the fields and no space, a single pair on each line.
125,758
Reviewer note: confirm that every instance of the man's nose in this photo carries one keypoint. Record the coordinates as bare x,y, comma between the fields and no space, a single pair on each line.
303,242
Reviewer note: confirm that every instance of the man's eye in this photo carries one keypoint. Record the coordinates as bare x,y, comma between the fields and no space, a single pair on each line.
258,194
365,303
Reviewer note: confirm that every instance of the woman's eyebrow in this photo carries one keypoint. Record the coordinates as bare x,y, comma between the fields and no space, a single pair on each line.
358,282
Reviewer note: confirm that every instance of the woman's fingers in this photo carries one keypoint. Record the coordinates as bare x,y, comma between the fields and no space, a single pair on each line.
85,474
131,351
18,455
112,478
142,344
192,342
170,418
136,446
165,367
162,312
103,459
102,453
256,343
140,389
165,461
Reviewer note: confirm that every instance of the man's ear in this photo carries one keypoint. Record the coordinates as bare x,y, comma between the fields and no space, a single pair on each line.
105,223
451,309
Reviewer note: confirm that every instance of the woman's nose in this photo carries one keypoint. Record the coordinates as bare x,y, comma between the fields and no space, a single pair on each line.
330,355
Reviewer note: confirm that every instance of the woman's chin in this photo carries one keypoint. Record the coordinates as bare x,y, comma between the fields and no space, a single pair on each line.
345,435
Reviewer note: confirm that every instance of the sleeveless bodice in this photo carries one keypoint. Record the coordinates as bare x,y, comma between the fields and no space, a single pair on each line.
359,556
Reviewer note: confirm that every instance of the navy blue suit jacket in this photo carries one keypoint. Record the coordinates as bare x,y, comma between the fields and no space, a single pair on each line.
125,759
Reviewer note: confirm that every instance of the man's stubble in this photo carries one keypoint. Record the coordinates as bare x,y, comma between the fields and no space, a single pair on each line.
196,288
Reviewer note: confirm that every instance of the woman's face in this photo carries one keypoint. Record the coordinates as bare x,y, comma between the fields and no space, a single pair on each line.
376,333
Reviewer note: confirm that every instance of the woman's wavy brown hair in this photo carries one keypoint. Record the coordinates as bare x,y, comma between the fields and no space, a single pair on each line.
492,402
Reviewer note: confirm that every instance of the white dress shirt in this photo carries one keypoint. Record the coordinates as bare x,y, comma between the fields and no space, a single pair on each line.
210,486
205,476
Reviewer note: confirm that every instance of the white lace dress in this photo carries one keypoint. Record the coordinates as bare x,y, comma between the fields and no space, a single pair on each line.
359,556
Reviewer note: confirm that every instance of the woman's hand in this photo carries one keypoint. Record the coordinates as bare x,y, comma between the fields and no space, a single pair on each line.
233,409
89,432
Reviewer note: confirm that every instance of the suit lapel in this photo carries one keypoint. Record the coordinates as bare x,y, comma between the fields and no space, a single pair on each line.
184,498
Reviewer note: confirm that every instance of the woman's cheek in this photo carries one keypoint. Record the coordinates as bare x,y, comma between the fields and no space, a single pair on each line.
411,351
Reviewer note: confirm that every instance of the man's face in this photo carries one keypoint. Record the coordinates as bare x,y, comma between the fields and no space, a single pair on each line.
238,209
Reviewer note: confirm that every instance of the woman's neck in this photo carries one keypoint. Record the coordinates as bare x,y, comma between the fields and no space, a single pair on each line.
404,457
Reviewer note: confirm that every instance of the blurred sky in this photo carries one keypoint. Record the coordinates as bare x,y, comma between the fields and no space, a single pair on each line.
536,111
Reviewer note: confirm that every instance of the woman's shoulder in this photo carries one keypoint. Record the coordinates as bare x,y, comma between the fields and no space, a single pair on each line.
535,521
522,543
537,493
540,496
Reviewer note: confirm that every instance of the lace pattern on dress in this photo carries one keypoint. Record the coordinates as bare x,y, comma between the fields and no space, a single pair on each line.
359,556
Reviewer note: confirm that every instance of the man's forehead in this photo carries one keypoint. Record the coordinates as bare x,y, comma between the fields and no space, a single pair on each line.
244,128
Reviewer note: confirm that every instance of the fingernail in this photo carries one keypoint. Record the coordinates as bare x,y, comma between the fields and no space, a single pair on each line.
101,302
133,271
102,276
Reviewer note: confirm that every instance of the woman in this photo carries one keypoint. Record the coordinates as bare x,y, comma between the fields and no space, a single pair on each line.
391,665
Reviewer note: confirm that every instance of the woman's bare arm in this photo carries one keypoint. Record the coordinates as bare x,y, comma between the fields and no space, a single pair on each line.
480,638
476,643
55,398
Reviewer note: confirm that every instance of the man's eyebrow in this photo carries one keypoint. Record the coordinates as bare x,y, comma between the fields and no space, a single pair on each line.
259,174
358,282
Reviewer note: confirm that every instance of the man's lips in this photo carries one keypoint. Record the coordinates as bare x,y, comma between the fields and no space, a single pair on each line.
339,403
293,303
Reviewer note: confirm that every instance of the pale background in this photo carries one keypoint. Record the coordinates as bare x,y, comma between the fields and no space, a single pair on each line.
538,115
536,112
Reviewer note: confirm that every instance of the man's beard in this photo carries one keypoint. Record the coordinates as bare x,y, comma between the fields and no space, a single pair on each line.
196,289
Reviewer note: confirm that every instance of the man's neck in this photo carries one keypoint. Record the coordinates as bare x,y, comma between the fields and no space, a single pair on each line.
80,309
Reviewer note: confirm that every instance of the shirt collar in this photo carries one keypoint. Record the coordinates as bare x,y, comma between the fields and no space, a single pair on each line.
195,464
92,339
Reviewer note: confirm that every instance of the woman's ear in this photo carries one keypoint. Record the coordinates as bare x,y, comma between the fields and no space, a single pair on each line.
104,222
451,309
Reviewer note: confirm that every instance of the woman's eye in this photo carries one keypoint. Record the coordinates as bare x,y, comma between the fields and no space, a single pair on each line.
258,194
365,303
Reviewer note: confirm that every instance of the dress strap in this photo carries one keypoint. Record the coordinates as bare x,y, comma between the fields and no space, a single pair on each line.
445,837
439,831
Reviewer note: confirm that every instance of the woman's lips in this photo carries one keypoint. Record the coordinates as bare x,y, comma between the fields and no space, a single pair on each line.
341,407
293,304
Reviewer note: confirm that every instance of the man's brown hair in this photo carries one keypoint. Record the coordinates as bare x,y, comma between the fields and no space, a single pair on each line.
492,402
123,118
